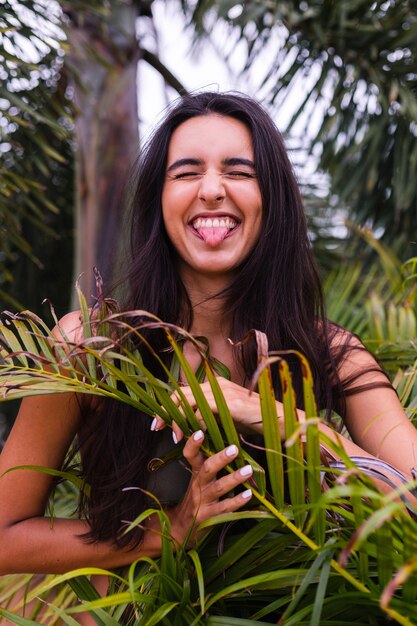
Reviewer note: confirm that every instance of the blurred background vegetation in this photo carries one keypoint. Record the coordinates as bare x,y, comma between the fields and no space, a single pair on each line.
69,127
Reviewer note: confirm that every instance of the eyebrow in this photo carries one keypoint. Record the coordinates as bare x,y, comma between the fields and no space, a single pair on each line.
239,161
196,162
181,162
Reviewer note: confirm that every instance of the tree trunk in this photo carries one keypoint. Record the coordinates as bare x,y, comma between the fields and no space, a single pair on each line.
102,63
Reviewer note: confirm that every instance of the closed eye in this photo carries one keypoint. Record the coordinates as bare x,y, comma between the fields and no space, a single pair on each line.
240,174
185,175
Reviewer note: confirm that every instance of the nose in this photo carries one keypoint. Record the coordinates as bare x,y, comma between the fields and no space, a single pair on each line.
211,189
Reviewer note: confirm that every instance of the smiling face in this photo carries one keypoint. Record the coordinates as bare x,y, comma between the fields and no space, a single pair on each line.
211,201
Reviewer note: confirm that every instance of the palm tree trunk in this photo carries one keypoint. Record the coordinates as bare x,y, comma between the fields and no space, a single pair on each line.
102,63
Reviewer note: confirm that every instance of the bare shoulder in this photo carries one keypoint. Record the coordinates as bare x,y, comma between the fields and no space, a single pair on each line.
339,336
69,328
70,331
373,413
353,361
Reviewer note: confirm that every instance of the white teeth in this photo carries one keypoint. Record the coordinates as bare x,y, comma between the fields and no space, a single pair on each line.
207,222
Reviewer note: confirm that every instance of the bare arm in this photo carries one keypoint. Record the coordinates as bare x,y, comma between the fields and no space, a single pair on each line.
41,435
375,419
30,542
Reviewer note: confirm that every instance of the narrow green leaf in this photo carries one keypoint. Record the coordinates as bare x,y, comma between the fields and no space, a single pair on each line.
385,553
87,330
320,593
16,619
62,578
312,449
160,613
234,621
295,457
13,344
270,580
272,435
223,412
409,550
304,582
240,547
71,477
372,523
204,408
193,555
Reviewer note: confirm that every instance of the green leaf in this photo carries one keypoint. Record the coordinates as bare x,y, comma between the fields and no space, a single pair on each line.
204,408
16,619
193,555
272,433
294,449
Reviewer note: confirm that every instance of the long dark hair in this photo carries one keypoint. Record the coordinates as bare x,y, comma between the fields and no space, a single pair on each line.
276,290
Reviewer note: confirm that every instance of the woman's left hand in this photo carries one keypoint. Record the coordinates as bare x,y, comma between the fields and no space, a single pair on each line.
244,407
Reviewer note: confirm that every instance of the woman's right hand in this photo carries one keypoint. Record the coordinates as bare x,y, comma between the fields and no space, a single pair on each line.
204,498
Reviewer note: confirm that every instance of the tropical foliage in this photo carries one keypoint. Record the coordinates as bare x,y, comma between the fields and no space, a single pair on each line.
66,67
349,68
377,300
318,544
34,140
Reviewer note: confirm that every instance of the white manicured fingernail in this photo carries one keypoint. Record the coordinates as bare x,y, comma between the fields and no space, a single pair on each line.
246,470
247,494
231,450
153,425
174,437
198,435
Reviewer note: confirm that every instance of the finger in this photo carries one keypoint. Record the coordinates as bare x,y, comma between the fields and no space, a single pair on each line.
176,398
184,395
224,485
157,423
177,433
200,419
192,450
213,465
184,403
228,505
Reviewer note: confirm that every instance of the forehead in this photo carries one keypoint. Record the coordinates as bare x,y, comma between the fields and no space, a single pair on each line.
211,134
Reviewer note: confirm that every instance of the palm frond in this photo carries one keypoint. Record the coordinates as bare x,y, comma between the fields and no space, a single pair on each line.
350,71
284,558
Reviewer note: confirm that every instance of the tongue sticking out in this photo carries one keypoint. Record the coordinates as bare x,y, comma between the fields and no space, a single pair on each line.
213,236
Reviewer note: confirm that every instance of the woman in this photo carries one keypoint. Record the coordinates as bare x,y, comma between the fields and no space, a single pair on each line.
219,246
